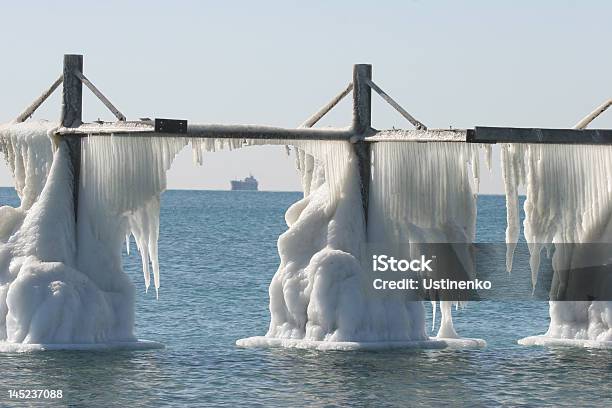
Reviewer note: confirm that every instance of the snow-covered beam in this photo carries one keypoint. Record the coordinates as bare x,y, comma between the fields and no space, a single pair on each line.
430,135
476,135
214,131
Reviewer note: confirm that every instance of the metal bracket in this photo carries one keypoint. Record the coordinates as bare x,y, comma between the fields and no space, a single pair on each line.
170,126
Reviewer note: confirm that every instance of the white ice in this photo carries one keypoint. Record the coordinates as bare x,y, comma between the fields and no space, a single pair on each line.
61,282
320,296
424,193
569,202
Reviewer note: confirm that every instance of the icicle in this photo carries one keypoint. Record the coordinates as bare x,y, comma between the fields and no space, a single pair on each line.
127,243
488,155
433,315
447,329
511,172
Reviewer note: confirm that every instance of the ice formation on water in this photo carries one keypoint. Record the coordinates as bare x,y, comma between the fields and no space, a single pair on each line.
61,281
569,203
44,298
317,294
320,296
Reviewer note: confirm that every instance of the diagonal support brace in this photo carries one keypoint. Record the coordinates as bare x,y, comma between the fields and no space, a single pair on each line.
311,121
120,116
591,116
29,111
396,106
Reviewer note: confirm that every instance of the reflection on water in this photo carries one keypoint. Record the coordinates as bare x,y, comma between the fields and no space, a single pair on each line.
218,254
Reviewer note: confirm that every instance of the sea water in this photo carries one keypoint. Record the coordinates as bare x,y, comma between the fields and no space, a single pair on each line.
218,254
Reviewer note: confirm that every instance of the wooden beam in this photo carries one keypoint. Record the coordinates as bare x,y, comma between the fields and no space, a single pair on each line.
396,106
120,116
146,128
311,121
362,127
477,135
591,116
72,114
25,115
482,134
266,132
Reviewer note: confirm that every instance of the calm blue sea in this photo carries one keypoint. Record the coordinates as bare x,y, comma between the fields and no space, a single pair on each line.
218,253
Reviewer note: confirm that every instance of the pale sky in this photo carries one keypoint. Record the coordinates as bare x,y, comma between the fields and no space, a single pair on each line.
449,63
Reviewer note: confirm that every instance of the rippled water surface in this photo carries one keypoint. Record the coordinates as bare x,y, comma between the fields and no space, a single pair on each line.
218,254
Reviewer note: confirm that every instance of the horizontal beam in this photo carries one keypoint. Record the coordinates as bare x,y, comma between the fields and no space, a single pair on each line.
108,128
266,132
430,135
482,134
146,128
477,135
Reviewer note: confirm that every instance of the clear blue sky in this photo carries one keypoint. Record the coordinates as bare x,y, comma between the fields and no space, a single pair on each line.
449,63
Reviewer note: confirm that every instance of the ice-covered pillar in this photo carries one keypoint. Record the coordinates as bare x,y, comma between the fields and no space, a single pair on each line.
72,111
362,120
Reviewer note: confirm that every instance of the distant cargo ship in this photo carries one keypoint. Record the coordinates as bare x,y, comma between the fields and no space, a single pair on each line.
249,183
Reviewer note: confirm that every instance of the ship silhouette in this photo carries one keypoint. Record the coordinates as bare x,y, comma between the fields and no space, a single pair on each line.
249,183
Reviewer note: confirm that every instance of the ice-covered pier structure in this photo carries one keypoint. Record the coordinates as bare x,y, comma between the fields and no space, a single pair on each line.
85,187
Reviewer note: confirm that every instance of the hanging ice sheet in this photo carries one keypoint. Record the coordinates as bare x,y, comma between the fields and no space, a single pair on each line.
567,211
422,194
27,149
122,178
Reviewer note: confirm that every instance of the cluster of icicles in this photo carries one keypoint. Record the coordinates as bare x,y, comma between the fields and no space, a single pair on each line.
568,203
63,282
